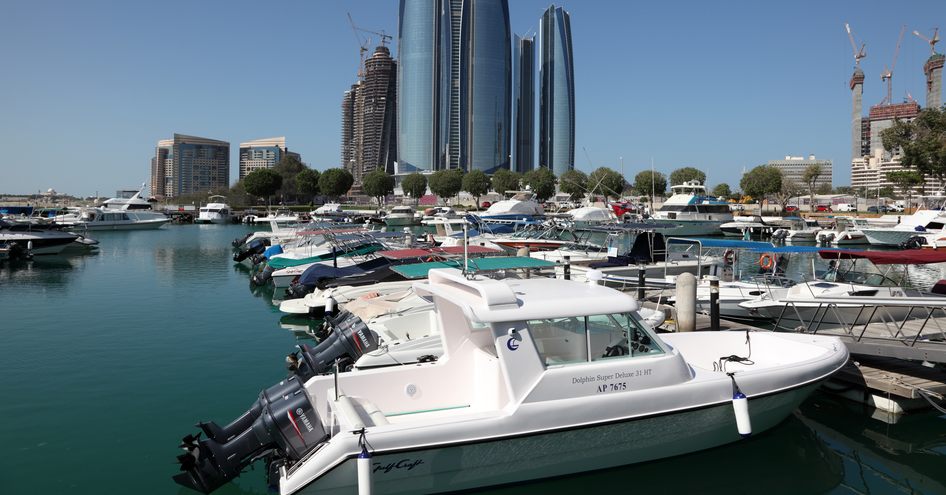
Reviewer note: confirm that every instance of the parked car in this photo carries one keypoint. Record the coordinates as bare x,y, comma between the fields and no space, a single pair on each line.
791,209
824,208
879,209
895,208
845,207
736,207
486,204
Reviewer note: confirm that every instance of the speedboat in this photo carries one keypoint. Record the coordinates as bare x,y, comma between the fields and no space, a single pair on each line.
748,227
519,206
846,231
798,230
400,216
35,241
214,212
278,216
693,210
922,221
538,378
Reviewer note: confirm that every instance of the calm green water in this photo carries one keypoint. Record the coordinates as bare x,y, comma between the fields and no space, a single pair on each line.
106,360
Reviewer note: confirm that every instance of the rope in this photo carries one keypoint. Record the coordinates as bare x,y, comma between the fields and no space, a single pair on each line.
720,365
929,398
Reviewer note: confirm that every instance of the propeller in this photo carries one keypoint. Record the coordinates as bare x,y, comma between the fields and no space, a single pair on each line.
190,441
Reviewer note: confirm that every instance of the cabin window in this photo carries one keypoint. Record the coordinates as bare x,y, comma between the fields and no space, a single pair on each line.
591,338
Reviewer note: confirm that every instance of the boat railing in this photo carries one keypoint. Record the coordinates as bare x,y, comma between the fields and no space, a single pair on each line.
880,326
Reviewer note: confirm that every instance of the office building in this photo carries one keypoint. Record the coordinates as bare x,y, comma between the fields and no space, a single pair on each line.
557,92
933,70
348,127
418,83
263,153
454,85
793,169
523,105
189,164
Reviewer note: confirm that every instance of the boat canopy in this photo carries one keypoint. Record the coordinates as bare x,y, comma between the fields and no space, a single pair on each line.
402,254
757,246
907,257
419,270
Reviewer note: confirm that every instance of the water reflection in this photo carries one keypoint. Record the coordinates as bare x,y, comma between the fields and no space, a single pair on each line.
878,457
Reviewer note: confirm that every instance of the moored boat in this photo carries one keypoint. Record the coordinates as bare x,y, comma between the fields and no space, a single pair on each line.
538,378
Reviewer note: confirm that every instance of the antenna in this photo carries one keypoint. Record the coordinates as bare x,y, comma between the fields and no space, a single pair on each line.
932,41
858,54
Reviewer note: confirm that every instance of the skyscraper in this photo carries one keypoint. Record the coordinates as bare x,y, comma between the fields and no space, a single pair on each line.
348,127
418,83
485,85
262,153
933,69
189,164
523,105
375,122
454,87
857,95
557,93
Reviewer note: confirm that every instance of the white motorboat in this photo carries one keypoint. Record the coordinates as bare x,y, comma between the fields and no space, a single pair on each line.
435,213
214,212
921,221
35,241
846,231
591,215
694,211
279,216
400,216
519,205
748,227
798,230
846,279
126,211
538,378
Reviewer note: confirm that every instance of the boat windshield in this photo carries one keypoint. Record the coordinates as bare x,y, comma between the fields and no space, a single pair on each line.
580,339
845,271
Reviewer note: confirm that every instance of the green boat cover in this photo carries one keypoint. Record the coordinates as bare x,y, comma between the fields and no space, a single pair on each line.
280,263
419,270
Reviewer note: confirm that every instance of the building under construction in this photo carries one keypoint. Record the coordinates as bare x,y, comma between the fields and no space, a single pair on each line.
870,161
369,118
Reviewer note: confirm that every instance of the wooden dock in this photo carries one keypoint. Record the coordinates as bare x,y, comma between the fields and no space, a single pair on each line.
906,379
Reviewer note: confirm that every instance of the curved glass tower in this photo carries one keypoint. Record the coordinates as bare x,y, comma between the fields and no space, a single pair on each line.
485,85
557,100
418,85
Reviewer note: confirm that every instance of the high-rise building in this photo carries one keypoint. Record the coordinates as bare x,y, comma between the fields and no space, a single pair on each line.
189,164
523,105
348,127
262,153
793,169
933,69
418,83
557,92
375,112
857,95
454,87
485,85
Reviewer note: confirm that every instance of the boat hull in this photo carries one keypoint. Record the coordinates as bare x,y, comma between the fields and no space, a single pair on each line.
399,221
889,237
467,466
690,228
103,226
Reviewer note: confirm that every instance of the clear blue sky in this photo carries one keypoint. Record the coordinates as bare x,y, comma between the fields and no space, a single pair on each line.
88,88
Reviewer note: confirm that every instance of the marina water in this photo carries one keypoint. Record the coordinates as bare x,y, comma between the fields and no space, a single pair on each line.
107,359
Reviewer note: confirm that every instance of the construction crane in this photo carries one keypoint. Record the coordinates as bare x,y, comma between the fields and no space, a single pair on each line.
887,75
932,41
858,54
362,47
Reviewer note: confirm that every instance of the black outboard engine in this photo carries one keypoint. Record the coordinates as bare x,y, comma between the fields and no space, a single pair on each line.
262,276
915,242
240,240
255,247
282,425
349,340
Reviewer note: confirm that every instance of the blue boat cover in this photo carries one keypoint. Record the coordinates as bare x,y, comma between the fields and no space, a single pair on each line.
271,250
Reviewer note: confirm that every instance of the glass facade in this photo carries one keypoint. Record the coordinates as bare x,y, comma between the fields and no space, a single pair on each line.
557,99
485,85
450,31
523,108
418,85
190,164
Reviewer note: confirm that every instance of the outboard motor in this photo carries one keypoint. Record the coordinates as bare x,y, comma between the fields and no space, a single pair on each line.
297,290
240,240
255,247
282,425
349,340
262,276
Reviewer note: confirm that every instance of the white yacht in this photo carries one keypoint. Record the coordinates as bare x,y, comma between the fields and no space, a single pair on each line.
694,211
537,378
126,211
798,230
400,216
279,216
214,212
